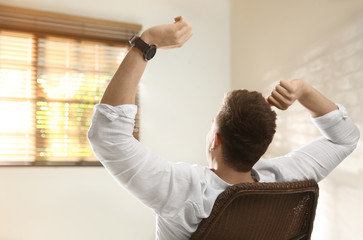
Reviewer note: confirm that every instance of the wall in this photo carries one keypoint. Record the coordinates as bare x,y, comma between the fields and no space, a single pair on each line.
181,91
321,42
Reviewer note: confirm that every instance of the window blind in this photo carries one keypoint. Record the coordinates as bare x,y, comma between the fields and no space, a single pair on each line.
49,85
17,92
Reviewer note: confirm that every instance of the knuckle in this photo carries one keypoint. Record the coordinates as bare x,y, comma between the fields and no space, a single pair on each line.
286,102
174,38
179,42
289,97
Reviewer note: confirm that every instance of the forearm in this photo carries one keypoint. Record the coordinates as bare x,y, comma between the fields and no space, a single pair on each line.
123,87
314,101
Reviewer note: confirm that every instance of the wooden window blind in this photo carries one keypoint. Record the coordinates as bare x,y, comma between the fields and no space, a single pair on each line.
53,70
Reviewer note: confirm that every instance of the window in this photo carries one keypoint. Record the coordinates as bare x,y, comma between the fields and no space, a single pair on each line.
50,82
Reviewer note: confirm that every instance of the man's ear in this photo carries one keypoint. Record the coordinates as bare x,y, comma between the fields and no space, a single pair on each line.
217,141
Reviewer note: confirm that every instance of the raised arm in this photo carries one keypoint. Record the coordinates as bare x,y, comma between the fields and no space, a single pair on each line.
318,158
123,86
146,175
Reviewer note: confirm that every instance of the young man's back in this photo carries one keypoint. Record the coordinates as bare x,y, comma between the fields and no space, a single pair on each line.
182,194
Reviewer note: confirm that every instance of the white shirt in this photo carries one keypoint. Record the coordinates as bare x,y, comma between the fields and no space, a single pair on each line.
182,194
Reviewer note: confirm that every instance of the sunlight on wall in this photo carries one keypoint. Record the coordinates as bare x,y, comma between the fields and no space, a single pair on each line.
334,65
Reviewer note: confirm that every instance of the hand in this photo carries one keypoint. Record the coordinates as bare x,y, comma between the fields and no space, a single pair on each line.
286,93
168,35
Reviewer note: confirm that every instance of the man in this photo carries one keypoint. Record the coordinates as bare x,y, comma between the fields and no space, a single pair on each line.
182,194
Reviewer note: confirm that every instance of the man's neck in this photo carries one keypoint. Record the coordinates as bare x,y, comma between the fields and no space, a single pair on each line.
232,176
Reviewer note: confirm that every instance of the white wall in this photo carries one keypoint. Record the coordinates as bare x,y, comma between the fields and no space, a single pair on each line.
321,42
180,93
182,90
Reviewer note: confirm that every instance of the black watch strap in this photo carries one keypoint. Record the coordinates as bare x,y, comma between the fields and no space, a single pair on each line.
147,50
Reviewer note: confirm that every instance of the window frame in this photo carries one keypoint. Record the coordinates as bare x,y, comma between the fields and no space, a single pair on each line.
33,19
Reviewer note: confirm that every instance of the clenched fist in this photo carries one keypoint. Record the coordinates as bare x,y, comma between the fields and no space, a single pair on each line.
168,35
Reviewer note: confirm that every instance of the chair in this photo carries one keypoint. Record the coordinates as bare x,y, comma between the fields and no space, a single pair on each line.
261,211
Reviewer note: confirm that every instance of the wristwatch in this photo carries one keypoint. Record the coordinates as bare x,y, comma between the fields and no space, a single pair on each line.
148,51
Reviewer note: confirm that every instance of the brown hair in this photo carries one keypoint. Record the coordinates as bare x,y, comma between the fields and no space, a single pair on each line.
246,125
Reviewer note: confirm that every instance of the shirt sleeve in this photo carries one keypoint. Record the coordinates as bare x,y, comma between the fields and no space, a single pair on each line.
146,175
317,159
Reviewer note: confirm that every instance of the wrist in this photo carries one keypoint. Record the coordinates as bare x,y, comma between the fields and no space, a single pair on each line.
146,37
303,87
148,50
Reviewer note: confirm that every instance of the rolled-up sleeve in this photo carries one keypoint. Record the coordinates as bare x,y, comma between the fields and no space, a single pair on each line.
112,141
146,175
318,158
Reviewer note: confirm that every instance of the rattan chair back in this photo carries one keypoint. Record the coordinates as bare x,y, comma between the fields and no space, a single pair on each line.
271,211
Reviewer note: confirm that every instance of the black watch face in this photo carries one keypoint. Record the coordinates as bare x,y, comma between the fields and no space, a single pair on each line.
150,53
